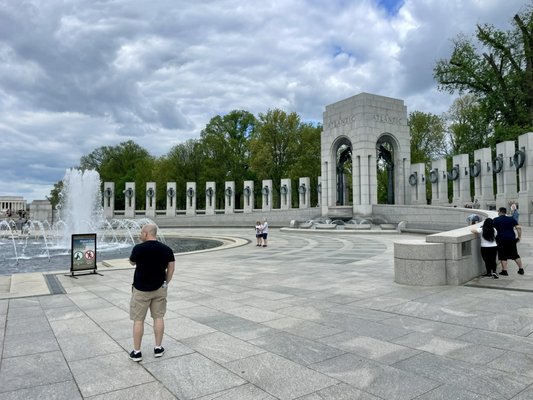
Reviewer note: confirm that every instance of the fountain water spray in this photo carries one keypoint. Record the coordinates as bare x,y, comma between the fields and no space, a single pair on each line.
80,205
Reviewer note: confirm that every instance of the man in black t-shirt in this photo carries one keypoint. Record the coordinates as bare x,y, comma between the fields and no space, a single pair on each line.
509,233
154,267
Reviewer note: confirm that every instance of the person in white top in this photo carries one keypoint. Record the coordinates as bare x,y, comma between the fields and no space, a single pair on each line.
489,247
258,233
265,232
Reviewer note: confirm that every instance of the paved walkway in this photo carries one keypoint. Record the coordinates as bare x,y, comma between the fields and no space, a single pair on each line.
312,316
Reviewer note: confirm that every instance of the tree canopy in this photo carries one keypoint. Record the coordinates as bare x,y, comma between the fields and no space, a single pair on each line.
233,147
498,70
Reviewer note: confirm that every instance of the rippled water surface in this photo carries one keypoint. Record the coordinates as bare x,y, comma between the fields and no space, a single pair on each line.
33,257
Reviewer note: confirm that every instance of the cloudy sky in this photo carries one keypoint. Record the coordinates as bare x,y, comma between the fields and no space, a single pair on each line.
79,74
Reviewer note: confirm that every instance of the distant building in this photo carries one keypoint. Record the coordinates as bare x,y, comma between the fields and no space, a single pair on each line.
12,204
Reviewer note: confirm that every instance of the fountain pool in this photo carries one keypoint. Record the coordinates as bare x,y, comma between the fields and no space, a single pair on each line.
35,246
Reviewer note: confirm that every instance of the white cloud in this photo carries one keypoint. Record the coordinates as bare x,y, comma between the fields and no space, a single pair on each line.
82,74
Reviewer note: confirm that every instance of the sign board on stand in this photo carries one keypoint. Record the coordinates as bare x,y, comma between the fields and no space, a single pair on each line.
83,253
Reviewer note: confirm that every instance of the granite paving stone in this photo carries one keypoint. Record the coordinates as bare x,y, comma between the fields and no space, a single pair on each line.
448,392
427,326
280,377
371,348
192,376
25,312
239,327
119,329
354,326
296,348
307,318
107,373
107,314
152,390
181,328
380,380
74,326
66,390
451,348
499,340
303,328
33,370
485,381
221,347
29,343
56,301
342,391
27,325
244,392
526,394
65,313
254,314
514,363
93,344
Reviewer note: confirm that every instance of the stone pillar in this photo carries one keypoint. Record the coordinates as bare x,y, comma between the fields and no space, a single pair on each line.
525,177
150,199
285,194
506,188
266,192
109,199
190,208
210,198
363,182
129,200
481,171
319,190
229,197
417,183
304,193
248,197
439,183
171,199
460,176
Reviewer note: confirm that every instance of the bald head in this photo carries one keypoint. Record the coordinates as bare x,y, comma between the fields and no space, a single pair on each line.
149,232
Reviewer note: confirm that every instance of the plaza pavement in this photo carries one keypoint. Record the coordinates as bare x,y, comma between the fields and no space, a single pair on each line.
312,316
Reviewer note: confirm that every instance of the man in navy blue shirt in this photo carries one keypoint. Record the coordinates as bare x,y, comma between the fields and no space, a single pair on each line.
509,233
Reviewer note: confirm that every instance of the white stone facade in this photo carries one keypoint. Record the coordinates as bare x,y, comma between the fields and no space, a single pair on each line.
360,122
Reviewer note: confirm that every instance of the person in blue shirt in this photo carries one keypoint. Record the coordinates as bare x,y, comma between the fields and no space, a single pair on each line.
509,234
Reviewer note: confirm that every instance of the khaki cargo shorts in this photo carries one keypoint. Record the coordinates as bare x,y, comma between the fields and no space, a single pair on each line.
155,300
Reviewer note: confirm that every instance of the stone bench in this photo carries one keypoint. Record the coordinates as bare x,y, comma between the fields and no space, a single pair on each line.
357,226
325,226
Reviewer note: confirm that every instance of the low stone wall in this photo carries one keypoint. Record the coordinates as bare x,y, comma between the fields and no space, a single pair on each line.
430,219
275,218
446,258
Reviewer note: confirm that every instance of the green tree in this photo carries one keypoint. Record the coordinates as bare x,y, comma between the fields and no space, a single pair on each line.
126,162
498,71
183,163
225,141
274,146
428,137
428,141
468,128
307,163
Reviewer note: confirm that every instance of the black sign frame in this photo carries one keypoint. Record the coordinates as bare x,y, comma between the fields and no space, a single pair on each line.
83,253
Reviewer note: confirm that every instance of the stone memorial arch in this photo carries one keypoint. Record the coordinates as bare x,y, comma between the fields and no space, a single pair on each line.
359,132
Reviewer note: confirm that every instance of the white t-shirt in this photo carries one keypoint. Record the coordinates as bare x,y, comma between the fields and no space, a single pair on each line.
265,227
485,242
